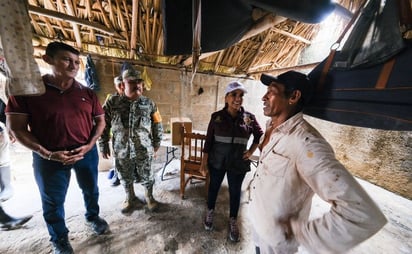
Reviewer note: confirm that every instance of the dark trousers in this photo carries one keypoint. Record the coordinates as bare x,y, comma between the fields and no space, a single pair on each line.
234,180
53,180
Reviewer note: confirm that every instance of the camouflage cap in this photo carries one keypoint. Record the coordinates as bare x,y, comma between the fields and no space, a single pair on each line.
131,74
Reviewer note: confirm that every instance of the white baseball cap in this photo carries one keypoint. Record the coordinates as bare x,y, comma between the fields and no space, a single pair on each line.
234,86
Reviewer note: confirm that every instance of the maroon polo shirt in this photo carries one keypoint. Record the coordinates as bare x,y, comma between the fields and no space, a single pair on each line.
59,119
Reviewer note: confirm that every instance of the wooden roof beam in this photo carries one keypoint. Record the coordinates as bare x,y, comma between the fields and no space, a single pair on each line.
277,71
64,17
291,35
49,27
102,12
133,37
65,31
217,61
88,7
50,5
71,11
34,23
111,13
120,17
262,24
155,25
258,51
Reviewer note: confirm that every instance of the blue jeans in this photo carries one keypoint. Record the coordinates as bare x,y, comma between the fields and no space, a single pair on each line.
53,180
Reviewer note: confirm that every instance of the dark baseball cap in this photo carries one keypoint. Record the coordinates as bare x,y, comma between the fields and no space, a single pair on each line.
292,80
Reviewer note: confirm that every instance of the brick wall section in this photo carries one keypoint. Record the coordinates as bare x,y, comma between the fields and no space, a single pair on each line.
176,96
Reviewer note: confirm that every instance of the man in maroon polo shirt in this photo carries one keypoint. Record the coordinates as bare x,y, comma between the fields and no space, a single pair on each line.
61,127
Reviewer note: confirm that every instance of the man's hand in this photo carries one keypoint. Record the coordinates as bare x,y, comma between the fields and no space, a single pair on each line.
155,151
66,157
106,151
72,156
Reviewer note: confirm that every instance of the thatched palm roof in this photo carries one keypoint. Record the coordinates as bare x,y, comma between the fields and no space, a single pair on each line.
132,30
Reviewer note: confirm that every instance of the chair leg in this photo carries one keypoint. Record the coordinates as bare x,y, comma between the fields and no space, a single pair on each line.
182,185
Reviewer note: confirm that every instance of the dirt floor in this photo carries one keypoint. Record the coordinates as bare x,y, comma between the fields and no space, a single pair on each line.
177,226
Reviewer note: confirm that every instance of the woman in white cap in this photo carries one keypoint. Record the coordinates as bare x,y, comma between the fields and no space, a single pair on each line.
226,153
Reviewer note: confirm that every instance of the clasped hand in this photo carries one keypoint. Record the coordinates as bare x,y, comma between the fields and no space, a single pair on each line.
70,157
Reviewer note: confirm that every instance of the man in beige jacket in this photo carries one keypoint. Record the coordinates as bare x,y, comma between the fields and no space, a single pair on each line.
295,163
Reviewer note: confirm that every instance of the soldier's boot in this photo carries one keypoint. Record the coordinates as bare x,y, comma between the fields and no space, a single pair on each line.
6,191
8,222
152,204
131,202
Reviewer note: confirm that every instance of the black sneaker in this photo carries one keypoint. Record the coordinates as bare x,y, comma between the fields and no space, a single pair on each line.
98,225
62,246
11,223
234,234
208,222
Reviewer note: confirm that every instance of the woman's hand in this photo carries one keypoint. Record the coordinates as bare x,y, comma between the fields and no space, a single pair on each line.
203,169
246,155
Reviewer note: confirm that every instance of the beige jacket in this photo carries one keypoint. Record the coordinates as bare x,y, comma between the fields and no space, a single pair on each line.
296,163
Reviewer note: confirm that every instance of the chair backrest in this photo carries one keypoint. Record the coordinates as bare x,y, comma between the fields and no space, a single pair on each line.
191,158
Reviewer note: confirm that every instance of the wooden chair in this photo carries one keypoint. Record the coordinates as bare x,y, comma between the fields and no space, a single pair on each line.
191,158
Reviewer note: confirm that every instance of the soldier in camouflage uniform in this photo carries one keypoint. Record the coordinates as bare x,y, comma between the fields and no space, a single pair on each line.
137,130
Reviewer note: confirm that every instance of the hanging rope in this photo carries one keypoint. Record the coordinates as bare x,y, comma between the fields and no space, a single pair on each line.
196,24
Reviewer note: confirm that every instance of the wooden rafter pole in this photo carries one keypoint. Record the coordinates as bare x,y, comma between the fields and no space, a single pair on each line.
49,27
133,39
34,22
217,61
279,70
126,10
146,29
88,9
64,17
120,16
291,35
111,13
258,50
126,23
76,30
264,23
159,35
156,10
54,7
106,20
196,26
